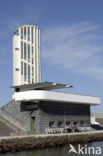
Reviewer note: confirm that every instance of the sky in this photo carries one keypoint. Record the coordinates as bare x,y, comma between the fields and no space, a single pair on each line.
71,43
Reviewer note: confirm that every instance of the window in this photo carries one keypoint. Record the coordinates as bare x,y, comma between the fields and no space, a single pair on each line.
32,34
28,33
67,123
17,90
28,73
16,48
21,49
16,32
81,123
17,69
59,123
25,33
21,33
32,56
24,50
51,123
28,52
75,123
21,68
25,72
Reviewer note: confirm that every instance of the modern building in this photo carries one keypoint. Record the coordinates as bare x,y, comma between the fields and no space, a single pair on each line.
35,105
26,55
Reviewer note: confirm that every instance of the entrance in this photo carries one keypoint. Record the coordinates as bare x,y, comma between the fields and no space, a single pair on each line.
32,123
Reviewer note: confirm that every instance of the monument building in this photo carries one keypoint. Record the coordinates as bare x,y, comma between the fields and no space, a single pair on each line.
36,106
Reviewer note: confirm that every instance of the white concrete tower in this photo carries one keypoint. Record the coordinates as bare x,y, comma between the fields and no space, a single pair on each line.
26,55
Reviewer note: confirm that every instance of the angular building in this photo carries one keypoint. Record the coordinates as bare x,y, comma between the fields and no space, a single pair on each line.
35,106
26,55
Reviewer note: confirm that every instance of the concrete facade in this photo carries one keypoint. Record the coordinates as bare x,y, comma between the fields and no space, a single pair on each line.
26,55
44,113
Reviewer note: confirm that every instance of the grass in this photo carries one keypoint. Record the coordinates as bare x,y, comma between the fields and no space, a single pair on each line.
100,120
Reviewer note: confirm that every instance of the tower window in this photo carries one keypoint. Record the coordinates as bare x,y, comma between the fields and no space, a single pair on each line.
21,49
22,68
24,50
25,72
28,33
32,56
32,34
25,33
17,69
28,52
28,73
16,48
21,33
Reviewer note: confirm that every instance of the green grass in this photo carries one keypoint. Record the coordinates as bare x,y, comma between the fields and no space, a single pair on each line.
100,120
4,129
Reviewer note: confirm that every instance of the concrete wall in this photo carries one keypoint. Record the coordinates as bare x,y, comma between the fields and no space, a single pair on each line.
14,113
63,112
45,113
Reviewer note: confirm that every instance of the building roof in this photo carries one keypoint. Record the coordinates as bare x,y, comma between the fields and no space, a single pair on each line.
42,95
41,86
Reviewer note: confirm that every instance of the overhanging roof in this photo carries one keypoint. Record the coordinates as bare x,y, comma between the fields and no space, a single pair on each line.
42,86
42,95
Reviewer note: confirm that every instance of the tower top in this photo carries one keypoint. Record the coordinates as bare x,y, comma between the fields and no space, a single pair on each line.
26,55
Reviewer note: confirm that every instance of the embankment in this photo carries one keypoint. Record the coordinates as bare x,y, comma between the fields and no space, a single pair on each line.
20,143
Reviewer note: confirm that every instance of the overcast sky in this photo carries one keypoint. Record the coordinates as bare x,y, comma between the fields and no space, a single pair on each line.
71,42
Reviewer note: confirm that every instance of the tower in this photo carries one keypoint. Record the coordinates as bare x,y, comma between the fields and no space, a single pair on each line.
26,55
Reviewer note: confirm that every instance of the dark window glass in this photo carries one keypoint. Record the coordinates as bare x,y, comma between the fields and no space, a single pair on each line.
28,33
75,123
16,32
17,69
16,48
28,52
24,50
22,68
25,72
32,56
17,89
51,123
32,34
25,33
67,123
59,123
81,123
21,33
28,73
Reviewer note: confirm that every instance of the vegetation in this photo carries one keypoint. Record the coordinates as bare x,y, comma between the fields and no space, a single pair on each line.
100,120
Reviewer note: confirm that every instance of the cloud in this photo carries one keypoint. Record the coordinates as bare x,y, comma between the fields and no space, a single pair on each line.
76,47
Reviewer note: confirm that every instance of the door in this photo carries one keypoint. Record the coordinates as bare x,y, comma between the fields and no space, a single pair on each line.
32,123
